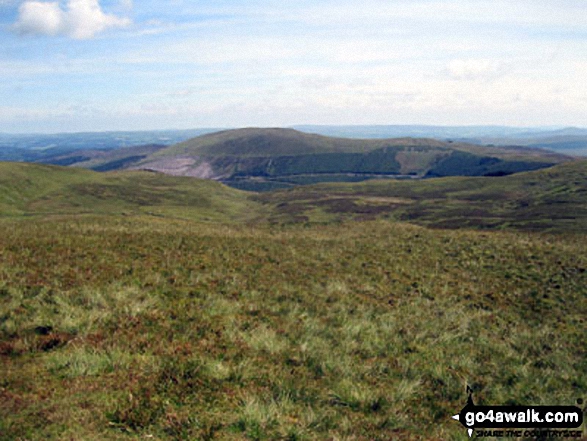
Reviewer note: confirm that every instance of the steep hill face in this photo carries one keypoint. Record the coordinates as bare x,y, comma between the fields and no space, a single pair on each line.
261,159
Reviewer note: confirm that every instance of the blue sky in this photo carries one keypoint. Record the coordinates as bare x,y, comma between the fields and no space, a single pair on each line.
88,65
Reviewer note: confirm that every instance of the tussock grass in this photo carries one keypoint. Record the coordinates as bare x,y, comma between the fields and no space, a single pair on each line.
132,328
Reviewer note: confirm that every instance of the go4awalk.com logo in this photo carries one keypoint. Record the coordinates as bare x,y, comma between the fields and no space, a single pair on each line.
518,421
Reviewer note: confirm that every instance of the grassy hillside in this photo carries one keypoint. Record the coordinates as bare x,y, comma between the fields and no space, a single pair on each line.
32,189
258,159
552,199
259,142
265,159
149,328
124,316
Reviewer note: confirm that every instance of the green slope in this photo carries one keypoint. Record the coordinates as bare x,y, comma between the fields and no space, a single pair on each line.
33,189
551,199
136,320
258,159
259,142
142,328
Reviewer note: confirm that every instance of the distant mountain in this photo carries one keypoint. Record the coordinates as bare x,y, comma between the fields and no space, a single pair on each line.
567,140
561,141
566,131
46,147
270,158
419,131
264,159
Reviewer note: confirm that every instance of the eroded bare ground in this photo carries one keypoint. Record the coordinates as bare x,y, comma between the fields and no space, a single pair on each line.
182,166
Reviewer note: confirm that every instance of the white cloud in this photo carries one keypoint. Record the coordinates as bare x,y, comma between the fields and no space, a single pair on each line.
40,18
473,69
81,19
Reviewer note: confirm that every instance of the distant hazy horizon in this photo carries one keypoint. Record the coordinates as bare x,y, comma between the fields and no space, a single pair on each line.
510,130
73,66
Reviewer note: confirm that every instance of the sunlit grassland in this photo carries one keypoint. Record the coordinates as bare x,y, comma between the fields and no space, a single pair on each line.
42,190
137,326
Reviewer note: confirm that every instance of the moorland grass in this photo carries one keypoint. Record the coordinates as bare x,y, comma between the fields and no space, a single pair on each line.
145,327
43,190
553,199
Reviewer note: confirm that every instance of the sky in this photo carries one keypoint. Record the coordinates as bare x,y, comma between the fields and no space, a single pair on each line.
89,65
